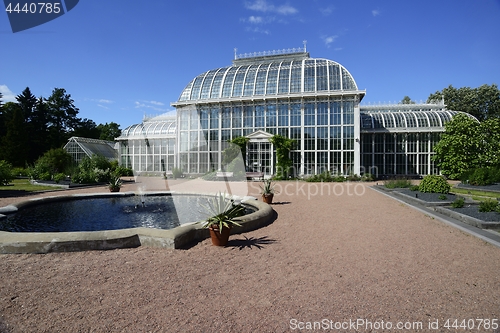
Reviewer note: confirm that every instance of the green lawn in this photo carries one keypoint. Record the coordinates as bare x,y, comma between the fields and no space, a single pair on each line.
26,186
476,194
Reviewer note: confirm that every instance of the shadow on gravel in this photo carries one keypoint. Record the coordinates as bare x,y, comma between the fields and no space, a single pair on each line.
15,193
250,242
281,203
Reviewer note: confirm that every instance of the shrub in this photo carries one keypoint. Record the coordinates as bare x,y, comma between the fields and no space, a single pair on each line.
177,173
20,172
325,176
481,176
414,188
58,177
458,203
367,177
434,184
123,171
353,178
488,205
55,161
442,197
397,183
5,173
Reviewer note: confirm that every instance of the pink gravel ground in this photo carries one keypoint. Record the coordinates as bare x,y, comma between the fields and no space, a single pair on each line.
330,258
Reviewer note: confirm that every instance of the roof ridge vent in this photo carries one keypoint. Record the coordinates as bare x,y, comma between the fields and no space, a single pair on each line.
299,53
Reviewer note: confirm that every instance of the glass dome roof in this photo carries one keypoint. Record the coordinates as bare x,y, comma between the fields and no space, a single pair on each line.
150,128
270,77
406,119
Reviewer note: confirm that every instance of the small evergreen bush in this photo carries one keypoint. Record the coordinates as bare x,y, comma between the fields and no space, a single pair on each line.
434,184
414,188
5,173
488,205
458,203
367,177
58,177
177,173
442,197
398,183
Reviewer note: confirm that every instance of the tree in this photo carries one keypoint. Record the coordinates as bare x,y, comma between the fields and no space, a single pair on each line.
38,127
109,131
467,144
27,102
284,163
406,100
62,117
86,128
482,102
15,142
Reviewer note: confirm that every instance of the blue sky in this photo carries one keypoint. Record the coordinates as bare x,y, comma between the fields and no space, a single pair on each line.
120,60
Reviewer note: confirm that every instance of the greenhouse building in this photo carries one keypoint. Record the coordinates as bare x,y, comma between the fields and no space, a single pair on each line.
314,101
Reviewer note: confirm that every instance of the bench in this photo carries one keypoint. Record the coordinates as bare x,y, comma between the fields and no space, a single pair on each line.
224,175
252,175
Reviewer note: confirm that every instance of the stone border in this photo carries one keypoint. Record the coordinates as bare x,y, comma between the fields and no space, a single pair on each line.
468,219
413,200
442,207
38,242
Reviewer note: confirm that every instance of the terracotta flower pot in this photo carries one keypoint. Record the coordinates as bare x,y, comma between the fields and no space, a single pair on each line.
114,189
268,198
219,238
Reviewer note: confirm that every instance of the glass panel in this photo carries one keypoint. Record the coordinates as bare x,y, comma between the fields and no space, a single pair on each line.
250,81
207,84
309,75
309,114
228,82
260,82
272,79
271,115
321,75
334,76
322,112
295,114
283,115
236,120
238,81
296,77
284,78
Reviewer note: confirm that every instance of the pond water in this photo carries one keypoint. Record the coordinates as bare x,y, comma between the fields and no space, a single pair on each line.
97,214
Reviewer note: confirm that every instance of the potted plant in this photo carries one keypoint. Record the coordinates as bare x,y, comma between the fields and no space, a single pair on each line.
268,191
222,214
114,183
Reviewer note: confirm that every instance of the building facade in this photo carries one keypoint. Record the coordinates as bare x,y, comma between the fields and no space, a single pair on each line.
312,100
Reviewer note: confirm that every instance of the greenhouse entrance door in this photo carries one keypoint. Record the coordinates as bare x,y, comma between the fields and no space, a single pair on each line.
260,153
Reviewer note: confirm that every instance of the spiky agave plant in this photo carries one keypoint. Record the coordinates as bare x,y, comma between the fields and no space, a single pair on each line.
222,212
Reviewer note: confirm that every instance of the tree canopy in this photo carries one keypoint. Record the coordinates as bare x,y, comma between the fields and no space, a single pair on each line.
50,122
482,102
467,144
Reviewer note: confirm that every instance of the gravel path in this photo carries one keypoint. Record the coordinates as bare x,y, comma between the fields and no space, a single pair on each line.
336,256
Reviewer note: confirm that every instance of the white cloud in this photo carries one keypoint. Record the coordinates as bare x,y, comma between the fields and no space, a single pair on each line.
105,101
7,95
150,105
255,19
259,30
375,12
264,6
329,40
102,106
327,11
